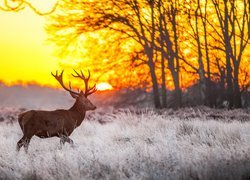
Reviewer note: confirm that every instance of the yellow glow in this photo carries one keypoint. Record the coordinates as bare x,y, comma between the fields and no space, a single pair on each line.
24,56
104,86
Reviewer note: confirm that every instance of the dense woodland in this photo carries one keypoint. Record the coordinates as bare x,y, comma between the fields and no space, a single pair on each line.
159,46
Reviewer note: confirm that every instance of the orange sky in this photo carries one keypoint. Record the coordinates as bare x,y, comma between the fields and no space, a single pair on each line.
24,55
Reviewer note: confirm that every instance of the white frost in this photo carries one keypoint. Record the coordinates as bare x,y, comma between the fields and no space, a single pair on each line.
129,145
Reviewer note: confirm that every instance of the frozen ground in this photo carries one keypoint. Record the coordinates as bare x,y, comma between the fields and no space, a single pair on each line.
113,143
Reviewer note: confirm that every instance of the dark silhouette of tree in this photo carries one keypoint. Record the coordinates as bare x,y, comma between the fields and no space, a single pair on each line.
233,35
217,32
123,17
195,17
162,50
229,34
169,45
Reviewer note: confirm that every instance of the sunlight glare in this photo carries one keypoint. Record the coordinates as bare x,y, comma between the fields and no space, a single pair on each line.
104,86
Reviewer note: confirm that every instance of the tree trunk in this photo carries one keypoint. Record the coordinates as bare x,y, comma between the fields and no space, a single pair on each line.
151,59
163,74
163,87
237,93
176,66
177,90
156,96
229,82
201,70
229,77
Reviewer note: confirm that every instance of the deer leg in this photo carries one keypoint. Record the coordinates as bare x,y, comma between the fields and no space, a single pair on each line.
70,141
24,141
64,139
20,143
26,144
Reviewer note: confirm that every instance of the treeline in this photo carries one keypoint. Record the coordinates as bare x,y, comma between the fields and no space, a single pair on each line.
206,40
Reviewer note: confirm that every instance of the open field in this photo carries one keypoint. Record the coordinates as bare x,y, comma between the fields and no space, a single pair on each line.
135,144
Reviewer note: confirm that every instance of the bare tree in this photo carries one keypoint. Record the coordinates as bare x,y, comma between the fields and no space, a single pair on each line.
232,32
162,51
124,17
169,45
153,27
195,15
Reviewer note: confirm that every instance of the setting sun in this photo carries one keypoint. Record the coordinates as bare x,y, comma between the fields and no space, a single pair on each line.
104,86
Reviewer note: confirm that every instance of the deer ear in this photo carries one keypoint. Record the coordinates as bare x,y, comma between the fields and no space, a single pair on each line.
74,95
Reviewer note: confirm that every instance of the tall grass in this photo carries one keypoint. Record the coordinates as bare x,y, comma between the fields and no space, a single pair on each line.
133,145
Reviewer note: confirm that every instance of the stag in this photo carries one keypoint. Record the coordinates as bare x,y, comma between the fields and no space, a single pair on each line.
59,123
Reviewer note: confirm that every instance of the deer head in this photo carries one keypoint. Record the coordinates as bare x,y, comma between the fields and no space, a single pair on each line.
82,102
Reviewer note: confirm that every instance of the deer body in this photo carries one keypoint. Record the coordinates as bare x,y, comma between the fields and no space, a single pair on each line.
60,123
50,123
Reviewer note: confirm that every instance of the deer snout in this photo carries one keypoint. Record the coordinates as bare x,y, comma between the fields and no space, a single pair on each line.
94,107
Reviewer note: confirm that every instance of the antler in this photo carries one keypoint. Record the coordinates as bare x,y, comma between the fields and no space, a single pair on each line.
88,90
59,78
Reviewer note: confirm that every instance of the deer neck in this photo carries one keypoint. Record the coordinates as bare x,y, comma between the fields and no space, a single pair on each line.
78,112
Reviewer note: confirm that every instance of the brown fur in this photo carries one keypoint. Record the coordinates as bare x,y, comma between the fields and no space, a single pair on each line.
60,123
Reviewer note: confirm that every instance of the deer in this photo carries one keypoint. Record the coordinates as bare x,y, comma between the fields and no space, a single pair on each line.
58,123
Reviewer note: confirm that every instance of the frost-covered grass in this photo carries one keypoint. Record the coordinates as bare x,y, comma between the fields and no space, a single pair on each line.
135,145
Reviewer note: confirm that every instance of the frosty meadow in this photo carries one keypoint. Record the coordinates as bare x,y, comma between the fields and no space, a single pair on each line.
191,143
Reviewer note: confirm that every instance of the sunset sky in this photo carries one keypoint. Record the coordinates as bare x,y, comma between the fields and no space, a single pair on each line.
24,53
